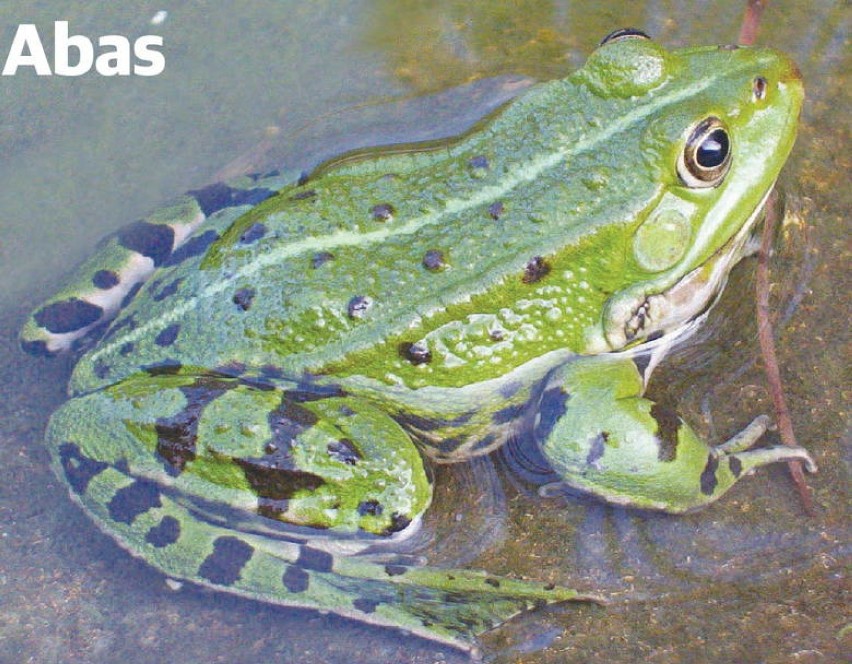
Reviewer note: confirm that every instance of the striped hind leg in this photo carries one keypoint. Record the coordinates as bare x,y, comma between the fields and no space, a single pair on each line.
170,466
108,281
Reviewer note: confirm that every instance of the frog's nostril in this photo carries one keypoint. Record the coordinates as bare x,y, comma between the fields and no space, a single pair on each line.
759,87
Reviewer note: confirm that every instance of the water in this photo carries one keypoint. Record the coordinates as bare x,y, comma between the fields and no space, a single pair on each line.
287,84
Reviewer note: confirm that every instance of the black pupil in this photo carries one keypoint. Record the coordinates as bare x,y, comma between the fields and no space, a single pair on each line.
713,149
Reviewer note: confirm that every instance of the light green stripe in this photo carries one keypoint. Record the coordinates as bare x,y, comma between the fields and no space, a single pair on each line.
526,173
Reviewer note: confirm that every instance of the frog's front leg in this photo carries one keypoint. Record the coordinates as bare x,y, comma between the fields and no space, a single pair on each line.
603,437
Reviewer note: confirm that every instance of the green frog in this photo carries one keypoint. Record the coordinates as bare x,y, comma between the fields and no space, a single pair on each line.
281,362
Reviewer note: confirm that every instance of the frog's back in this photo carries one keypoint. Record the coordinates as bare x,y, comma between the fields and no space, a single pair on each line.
441,267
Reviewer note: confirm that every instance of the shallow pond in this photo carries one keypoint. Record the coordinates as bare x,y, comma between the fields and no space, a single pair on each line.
286,84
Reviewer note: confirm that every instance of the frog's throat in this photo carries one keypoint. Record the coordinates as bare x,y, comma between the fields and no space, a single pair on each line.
654,315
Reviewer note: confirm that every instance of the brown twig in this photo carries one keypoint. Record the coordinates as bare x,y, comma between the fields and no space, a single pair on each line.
770,360
751,22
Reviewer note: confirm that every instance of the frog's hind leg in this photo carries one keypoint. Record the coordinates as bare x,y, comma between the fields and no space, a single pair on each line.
108,281
603,437
150,458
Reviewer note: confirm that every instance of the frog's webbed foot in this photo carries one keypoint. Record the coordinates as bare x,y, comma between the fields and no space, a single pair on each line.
602,437
108,281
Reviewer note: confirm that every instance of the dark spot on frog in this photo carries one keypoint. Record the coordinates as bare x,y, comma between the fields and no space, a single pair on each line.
642,362
708,475
304,176
551,408
306,392
308,194
395,570
273,484
321,258
496,335
434,261
536,269
416,353
134,499
270,448
359,306
253,233
126,349
128,298
243,298
274,477
177,435
128,323
494,583
168,335
79,469
194,246
509,413
484,443
167,291
235,368
446,446
271,371
100,369
166,367
105,279
668,424
495,210
370,508
37,347
164,533
735,465
68,315
398,522
413,421
479,161
295,579
314,559
382,212
344,450
365,605
346,411
224,566
597,449
154,241
219,196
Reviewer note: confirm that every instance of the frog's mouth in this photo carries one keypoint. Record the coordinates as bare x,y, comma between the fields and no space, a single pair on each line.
655,315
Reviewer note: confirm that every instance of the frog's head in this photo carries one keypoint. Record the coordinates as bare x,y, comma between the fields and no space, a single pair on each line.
719,123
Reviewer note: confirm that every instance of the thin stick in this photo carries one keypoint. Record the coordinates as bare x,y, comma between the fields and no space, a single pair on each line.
770,360
751,22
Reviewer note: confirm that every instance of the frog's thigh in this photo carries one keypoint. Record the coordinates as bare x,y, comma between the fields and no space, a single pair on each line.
332,462
602,436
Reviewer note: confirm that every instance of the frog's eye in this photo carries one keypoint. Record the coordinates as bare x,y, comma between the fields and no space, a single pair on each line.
623,33
706,157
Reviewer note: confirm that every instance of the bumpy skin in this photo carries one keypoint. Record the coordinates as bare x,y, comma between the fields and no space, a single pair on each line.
259,407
